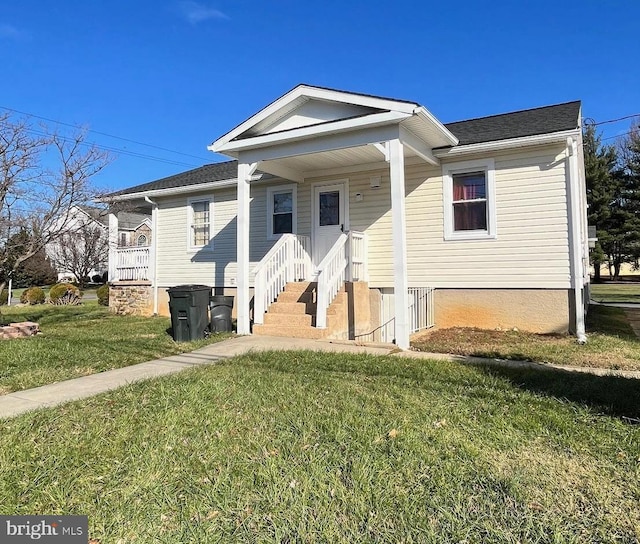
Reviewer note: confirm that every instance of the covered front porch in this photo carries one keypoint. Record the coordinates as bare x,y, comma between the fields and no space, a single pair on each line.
319,138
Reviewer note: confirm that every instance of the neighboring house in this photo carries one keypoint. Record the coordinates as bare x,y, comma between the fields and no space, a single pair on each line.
70,246
134,229
402,221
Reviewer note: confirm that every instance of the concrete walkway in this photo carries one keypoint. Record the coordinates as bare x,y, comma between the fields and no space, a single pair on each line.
54,394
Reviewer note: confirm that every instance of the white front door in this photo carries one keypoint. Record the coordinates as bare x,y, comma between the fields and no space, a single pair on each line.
329,208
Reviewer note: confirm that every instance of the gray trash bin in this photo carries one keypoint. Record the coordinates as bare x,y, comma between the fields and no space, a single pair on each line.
188,307
220,307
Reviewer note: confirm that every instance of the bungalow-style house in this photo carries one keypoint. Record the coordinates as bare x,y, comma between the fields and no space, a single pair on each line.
358,216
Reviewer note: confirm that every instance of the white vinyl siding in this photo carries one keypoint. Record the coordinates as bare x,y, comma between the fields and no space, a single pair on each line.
218,268
532,247
531,250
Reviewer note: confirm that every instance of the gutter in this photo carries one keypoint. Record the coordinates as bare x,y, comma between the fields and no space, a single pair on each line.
497,145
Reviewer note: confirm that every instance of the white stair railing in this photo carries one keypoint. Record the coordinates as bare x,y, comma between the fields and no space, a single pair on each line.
332,273
132,263
288,260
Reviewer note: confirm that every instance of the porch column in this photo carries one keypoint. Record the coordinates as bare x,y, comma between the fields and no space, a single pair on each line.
401,284
153,254
244,198
113,247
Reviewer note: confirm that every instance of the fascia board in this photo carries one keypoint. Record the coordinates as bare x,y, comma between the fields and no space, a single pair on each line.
427,116
212,185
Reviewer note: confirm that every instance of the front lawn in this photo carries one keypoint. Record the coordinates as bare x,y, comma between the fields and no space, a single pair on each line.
615,292
611,343
307,447
81,340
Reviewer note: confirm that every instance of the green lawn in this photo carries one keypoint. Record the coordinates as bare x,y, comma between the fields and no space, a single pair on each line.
616,292
81,340
302,447
611,343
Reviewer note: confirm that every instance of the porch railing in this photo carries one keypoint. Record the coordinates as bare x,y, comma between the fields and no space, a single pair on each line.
132,263
288,260
357,252
421,310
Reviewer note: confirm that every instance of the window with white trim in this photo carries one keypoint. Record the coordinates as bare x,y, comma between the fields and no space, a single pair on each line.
469,200
281,210
200,224
142,240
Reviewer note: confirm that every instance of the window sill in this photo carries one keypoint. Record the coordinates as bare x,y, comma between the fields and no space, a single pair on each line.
203,249
469,237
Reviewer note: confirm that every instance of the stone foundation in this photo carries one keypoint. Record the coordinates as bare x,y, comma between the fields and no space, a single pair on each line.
131,298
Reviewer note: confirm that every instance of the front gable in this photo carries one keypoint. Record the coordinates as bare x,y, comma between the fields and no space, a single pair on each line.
305,107
308,113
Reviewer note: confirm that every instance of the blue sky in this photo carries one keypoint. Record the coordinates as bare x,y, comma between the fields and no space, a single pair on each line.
178,74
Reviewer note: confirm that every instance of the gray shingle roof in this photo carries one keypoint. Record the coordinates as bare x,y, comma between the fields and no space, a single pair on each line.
203,174
517,124
505,126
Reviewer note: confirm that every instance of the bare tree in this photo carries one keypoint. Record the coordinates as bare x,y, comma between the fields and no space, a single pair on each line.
81,250
43,175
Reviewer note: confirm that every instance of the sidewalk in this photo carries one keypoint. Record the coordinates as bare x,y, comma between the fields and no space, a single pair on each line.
54,394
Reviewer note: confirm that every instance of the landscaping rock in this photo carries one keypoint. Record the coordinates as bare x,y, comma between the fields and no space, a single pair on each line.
19,330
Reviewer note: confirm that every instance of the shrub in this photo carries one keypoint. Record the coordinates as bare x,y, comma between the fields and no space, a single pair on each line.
33,295
4,297
103,295
96,278
64,293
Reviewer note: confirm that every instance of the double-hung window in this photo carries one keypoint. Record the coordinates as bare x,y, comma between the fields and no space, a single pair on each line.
200,223
469,200
281,210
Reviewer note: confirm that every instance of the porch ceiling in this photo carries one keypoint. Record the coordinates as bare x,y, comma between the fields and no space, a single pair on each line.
307,165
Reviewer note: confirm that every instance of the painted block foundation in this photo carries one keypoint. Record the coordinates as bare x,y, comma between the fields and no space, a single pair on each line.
535,310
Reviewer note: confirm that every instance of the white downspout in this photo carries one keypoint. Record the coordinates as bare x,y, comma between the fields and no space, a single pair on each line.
153,257
575,238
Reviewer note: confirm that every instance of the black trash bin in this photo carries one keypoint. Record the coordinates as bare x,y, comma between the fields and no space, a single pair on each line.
188,305
220,307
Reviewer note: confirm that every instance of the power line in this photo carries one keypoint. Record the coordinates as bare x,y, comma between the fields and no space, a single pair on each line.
617,136
616,120
102,133
118,150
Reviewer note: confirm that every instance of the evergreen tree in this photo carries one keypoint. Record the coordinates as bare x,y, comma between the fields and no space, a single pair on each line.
601,180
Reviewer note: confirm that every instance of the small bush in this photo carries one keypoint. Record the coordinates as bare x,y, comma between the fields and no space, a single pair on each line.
96,278
4,297
64,293
33,295
103,295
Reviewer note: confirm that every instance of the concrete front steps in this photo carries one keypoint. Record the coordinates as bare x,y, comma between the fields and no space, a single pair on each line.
294,313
